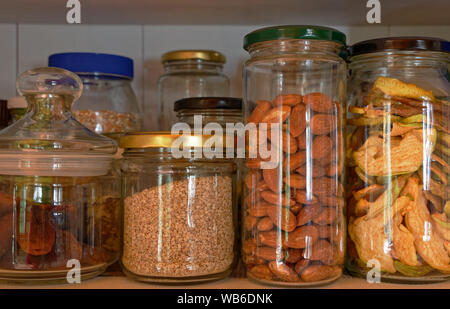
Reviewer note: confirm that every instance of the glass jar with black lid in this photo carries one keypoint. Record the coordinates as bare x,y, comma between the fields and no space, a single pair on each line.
398,159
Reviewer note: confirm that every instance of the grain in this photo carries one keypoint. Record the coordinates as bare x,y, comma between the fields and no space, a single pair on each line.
183,228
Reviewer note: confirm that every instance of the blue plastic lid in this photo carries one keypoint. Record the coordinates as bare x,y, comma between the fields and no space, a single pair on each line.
95,63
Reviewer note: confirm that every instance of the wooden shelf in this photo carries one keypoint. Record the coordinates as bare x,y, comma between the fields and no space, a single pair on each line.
346,282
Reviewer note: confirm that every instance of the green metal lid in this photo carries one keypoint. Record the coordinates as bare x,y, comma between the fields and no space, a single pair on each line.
302,32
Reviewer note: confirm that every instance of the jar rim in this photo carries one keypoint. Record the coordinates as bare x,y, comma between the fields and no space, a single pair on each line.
404,43
303,32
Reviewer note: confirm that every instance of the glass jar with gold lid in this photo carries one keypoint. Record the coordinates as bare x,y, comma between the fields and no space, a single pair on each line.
179,211
189,73
59,200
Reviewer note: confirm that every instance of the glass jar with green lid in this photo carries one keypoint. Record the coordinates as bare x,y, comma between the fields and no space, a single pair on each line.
179,211
189,73
59,196
293,217
398,159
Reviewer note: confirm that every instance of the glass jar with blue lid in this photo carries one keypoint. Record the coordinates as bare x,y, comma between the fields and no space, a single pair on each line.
108,105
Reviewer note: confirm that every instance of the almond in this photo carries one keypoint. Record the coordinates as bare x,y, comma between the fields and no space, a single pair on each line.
302,236
334,168
321,251
261,272
259,112
295,181
264,224
258,209
249,246
295,209
277,114
257,102
303,197
250,222
272,179
287,99
328,231
288,143
252,259
293,255
324,186
272,239
269,254
283,271
319,102
332,201
282,217
254,163
252,178
314,273
261,186
322,124
301,265
308,213
327,216
314,171
297,121
303,140
321,146
277,199
294,161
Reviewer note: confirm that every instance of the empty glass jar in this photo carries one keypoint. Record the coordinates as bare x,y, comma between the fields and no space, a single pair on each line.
189,73
59,198
294,91
398,159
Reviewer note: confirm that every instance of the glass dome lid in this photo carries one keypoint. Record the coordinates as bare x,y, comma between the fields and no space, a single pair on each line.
47,140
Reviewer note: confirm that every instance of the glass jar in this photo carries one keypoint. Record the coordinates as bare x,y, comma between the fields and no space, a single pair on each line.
189,73
17,107
294,88
179,212
108,105
398,159
59,198
221,110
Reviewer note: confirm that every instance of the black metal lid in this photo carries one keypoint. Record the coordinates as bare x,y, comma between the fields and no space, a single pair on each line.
400,43
208,103
4,114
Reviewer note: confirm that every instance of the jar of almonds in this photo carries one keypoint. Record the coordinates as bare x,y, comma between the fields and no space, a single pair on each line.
294,88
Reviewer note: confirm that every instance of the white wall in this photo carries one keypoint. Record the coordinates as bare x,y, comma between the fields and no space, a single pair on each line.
27,46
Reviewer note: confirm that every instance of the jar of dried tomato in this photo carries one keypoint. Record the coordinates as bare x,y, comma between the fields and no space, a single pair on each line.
59,195
398,159
294,88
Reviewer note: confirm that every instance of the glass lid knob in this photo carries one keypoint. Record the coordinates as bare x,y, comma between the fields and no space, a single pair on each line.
47,80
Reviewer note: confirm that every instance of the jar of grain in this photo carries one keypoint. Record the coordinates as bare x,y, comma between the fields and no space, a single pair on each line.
108,105
293,226
179,213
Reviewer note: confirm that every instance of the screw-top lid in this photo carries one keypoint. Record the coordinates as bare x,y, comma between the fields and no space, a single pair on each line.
17,102
207,55
208,103
4,114
93,63
303,32
400,44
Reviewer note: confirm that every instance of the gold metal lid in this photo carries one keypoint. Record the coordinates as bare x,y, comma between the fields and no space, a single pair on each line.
165,140
207,55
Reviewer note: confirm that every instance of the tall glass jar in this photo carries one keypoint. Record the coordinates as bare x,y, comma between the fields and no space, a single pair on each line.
189,73
398,159
294,88
108,105
179,212
59,197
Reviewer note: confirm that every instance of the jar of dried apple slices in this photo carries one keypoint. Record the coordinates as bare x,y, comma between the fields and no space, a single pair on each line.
398,159
293,213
